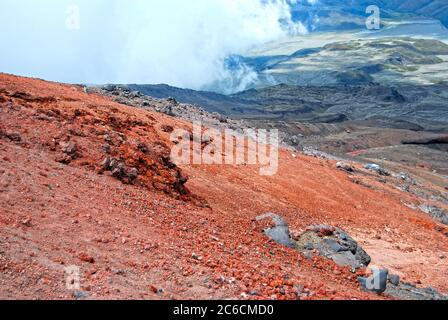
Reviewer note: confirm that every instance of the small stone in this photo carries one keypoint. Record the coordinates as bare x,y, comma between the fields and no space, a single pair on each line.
84,257
394,279
345,167
14,137
196,257
376,283
69,148
279,233
132,174
377,169
167,129
26,222
107,148
78,295
64,159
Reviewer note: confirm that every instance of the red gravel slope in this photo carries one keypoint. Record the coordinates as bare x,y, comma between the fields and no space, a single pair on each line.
154,237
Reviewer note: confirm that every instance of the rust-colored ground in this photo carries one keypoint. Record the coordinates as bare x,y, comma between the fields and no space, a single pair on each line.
154,239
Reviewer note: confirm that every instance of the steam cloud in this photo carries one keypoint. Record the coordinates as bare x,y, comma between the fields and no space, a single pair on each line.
183,43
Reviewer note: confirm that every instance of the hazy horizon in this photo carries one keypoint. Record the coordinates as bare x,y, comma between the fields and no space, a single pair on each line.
177,42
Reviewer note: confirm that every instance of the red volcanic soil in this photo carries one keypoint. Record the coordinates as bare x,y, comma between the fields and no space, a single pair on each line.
138,230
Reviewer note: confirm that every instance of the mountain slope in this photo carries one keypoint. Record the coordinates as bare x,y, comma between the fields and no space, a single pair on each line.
157,236
437,9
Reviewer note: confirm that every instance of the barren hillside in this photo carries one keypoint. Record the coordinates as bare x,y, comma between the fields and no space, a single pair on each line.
86,181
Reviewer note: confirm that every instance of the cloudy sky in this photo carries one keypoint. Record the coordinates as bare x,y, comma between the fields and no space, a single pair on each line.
179,42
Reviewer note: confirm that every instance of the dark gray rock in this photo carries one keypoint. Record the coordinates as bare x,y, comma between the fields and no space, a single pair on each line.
345,167
79,295
394,279
14,136
335,244
280,231
377,169
70,148
407,291
345,258
119,170
377,282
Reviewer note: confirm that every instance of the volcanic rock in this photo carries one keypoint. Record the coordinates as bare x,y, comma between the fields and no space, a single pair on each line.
345,167
377,169
14,136
279,232
69,148
335,244
394,279
377,282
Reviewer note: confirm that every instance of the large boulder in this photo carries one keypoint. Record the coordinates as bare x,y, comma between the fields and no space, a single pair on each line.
330,242
335,244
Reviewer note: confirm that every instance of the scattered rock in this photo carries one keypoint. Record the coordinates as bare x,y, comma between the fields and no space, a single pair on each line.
167,129
142,147
394,279
14,136
334,244
377,169
69,148
311,152
84,257
254,293
279,232
404,176
79,295
107,148
132,174
70,152
172,100
435,212
345,167
407,291
196,257
105,165
119,170
26,222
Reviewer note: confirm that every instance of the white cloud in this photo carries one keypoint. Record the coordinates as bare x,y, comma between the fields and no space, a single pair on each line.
179,42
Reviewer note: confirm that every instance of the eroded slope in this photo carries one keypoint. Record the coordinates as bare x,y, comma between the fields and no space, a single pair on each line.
144,232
